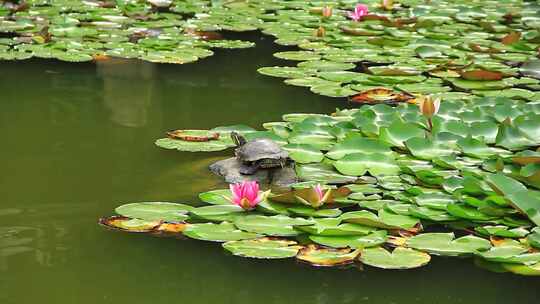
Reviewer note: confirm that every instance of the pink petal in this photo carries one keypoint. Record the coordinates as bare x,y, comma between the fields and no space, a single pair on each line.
437,105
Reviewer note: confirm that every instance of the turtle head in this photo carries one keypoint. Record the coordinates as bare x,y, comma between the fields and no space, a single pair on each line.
238,139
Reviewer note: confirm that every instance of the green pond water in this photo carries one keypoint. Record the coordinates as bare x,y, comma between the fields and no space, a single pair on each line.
77,141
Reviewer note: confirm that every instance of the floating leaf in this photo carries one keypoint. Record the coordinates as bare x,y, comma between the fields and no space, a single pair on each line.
223,232
263,248
353,241
445,244
278,225
155,211
327,257
399,258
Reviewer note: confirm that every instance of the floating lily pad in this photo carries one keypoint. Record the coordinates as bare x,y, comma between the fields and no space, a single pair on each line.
129,225
263,248
445,244
399,258
278,225
155,211
223,232
327,257
189,146
353,241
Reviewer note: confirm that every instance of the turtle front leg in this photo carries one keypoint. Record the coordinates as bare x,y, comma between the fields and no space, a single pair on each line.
249,169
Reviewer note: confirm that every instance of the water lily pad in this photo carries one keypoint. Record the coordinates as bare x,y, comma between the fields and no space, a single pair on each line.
334,227
445,244
206,146
399,258
278,225
129,225
216,197
502,231
353,241
284,72
357,164
263,248
155,211
218,212
304,153
327,257
223,232
311,212
323,173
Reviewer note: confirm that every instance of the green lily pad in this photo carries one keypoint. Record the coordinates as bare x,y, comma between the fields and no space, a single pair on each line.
334,227
284,72
353,241
445,244
323,173
216,197
399,258
190,146
357,164
263,248
217,212
277,225
223,232
155,211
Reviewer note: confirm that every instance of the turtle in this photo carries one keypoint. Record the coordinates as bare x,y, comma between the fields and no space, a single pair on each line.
260,153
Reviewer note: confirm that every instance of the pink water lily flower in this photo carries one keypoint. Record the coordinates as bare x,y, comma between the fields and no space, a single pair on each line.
246,194
322,196
359,11
318,189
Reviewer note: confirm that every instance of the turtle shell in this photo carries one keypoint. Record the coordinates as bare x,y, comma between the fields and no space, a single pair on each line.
259,149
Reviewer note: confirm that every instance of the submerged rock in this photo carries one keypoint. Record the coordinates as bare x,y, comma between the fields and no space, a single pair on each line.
230,170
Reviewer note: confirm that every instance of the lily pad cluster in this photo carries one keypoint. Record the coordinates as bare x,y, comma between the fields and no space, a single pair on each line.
398,189
371,223
160,31
472,48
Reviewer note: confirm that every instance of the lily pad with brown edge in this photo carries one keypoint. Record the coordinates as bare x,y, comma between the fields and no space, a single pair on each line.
399,258
327,257
380,95
155,211
481,75
222,232
171,228
264,248
127,224
193,135
375,238
447,245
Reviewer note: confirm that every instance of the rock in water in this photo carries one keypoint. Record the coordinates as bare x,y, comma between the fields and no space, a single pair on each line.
230,170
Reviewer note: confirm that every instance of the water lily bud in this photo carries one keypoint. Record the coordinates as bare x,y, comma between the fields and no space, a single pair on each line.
321,32
327,11
428,106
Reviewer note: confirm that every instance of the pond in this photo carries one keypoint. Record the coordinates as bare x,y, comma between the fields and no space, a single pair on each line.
78,141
